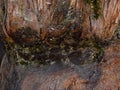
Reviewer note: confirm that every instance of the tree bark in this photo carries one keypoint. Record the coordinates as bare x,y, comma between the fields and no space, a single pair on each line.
42,17
54,30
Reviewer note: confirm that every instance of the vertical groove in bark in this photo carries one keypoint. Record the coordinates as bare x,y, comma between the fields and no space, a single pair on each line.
104,27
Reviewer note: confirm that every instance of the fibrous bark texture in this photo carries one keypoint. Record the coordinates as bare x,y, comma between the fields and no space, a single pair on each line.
102,76
65,31
50,18
105,26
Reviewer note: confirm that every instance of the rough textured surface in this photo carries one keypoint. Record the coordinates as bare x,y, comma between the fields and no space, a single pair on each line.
51,18
105,26
63,23
59,76
110,78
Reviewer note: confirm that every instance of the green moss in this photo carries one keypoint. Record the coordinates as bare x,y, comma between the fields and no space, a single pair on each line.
43,53
96,49
23,62
95,6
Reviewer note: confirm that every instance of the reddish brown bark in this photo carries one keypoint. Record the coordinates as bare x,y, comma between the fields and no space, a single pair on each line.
64,77
26,21
51,17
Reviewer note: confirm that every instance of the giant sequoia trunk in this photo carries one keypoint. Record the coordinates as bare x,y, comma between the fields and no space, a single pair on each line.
56,45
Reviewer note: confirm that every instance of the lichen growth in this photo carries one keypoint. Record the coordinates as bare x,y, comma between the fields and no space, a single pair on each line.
54,49
44,54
